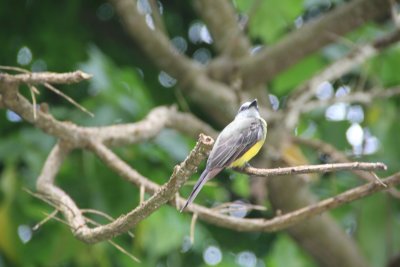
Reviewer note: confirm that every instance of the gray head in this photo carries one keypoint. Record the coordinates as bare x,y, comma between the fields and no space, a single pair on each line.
248,110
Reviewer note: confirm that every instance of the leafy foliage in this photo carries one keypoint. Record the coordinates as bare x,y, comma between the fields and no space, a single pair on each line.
74,34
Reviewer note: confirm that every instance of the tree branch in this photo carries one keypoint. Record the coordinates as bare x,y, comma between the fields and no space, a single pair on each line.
291,218
221,20
231,43
295,46
46,77
305,92
115,135
163,194
192,77
357,97
74,217
322,168
92,138
338,156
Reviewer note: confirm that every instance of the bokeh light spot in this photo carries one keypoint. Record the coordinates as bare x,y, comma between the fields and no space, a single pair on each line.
202,55
166,80
336,112
105,11
12,116
180,44
355,135
212,255
246,259
273,99
324,90
24,56
24,233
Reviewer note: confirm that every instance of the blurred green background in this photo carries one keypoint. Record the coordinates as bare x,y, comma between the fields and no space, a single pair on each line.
65,36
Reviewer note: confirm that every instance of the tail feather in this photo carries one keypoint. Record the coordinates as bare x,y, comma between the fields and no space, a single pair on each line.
204,177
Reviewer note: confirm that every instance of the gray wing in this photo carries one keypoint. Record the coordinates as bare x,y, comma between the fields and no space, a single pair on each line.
230,147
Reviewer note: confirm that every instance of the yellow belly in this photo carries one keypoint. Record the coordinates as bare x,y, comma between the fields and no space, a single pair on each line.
246,157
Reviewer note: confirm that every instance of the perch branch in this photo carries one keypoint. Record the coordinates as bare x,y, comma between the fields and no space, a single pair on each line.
322,168
289,219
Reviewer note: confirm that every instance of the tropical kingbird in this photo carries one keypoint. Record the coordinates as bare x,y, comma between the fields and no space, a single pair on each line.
238,142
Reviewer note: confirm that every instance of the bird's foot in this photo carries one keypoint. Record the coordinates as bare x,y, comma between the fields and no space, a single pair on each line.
247,165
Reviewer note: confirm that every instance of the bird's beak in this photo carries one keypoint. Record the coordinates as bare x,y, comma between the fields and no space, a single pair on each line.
254,104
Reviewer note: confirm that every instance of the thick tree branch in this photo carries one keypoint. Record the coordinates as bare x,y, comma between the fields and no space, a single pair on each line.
63,202
114,135
272,60
163,194
153,42
157,17
222,21
192,77
231,43
73,215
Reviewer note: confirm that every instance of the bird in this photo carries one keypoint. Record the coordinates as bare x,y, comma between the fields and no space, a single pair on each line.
235,146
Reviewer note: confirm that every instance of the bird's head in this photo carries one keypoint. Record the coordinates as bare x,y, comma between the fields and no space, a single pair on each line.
248,109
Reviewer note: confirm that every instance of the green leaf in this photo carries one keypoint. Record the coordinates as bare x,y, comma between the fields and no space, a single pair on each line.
297,74
286,253
372,229
240,184
385,66
272,17
162,232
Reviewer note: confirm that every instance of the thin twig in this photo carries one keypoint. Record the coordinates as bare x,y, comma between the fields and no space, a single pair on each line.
14,69
177,201
114,244
46,219
58,219
105,215
69,99
378,179
123,250
142,192
33,101
41,197
192,227
235,206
